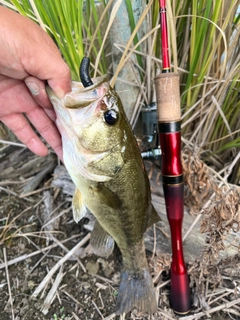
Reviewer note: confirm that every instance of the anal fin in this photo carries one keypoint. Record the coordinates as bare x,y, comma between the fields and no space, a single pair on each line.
101,242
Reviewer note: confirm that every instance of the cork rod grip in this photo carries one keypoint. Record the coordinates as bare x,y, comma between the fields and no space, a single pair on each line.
168,97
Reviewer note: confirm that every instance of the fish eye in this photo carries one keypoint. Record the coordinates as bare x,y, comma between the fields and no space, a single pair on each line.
111,117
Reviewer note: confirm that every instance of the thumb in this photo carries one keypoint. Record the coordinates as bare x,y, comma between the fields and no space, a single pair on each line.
61,84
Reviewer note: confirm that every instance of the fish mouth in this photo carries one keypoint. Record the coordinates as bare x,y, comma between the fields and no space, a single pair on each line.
88,95
80,96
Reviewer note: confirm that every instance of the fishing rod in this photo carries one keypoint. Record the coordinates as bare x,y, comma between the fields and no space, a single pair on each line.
169,129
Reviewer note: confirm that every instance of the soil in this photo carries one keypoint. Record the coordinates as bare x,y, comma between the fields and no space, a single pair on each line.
24,236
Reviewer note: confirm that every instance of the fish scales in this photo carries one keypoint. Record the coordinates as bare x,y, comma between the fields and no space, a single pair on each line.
103,159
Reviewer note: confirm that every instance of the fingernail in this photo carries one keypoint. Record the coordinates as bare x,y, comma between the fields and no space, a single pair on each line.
33,87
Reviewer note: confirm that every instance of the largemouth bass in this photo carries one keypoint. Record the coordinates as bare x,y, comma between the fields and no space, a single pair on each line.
102,157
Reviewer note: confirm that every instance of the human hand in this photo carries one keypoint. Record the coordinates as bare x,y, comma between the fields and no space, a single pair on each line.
29,58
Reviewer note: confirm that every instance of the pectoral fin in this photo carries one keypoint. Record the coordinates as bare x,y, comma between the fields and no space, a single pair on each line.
78,206
101,242
107,196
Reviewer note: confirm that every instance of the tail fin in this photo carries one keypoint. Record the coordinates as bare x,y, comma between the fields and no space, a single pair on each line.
136,290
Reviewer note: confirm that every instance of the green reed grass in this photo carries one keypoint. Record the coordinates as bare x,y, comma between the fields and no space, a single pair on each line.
205,50
70,23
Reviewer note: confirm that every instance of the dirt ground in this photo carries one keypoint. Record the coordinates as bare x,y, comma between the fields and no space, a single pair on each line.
84,286
80,292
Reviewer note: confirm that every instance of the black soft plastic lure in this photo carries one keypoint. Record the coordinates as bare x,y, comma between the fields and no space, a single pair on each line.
84,72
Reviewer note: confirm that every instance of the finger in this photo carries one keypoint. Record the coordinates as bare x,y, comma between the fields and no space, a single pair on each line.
19,125
14,99
51,114
39,94
61,85
37,89
47,128
47,64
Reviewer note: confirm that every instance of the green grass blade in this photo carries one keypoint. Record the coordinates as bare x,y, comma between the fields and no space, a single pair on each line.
133,26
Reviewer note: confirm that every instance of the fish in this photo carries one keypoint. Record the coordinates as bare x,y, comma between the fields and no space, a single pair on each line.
102,157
